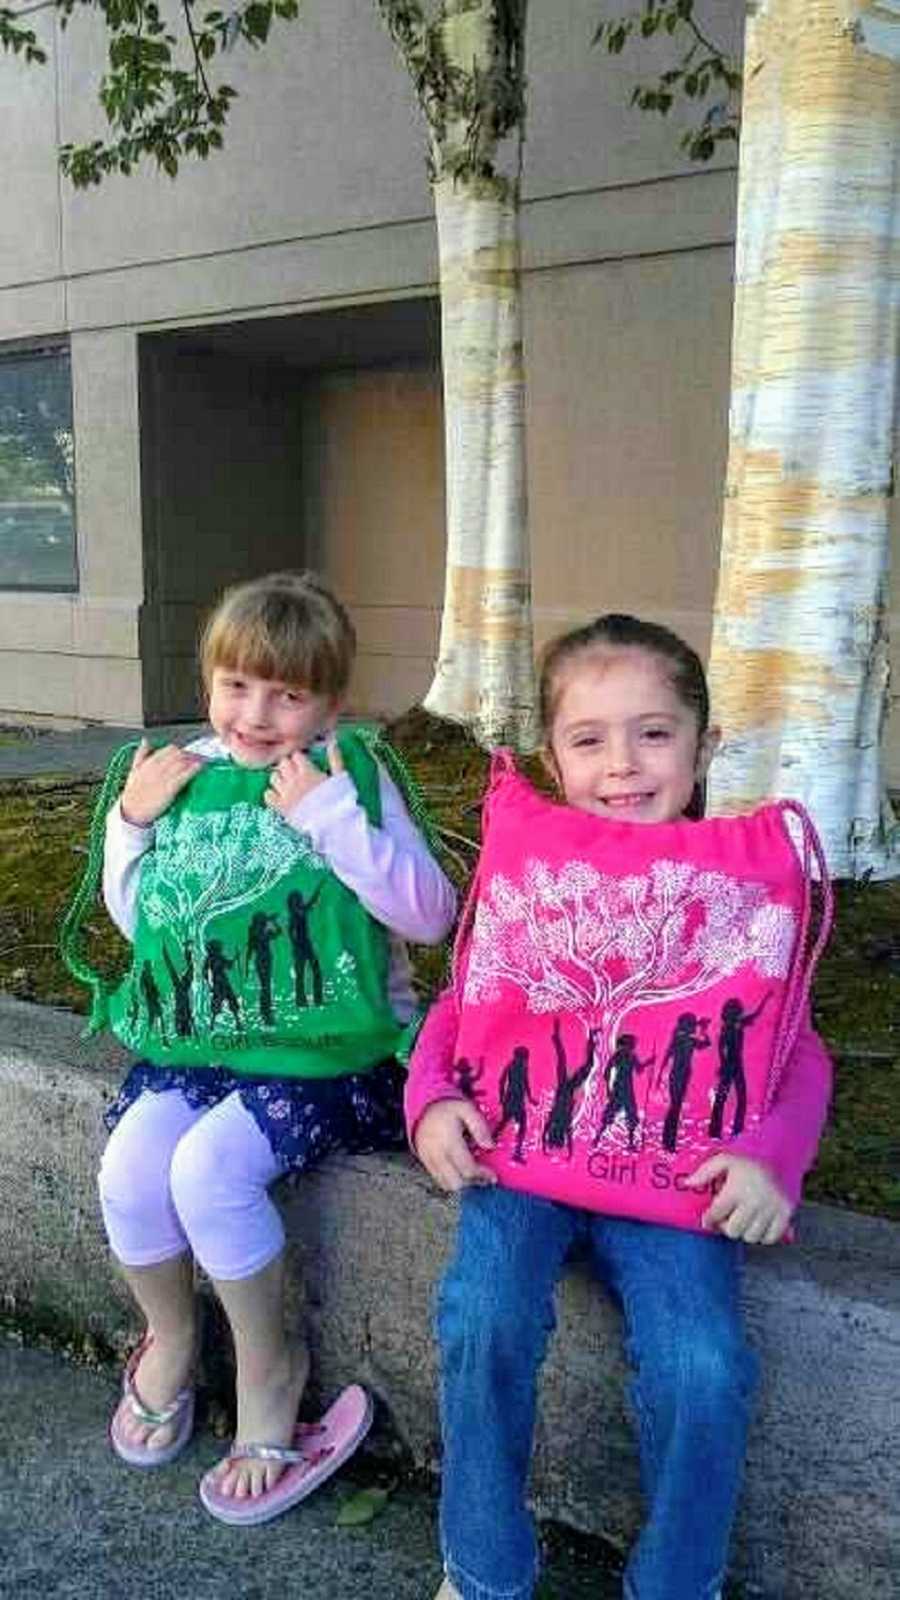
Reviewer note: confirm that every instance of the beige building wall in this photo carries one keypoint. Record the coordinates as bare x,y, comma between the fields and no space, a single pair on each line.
373,445
321,203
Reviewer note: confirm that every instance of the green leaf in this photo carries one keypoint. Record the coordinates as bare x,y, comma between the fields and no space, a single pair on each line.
257,22
363,1507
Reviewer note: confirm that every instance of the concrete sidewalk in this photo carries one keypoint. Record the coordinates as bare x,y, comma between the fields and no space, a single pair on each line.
76,1524
84,752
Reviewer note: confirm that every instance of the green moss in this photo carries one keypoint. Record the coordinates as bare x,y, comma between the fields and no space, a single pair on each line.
856,1007
43,829
43,833
47,1327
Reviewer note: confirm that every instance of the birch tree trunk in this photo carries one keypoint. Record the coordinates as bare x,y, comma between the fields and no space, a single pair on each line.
468,69
799,665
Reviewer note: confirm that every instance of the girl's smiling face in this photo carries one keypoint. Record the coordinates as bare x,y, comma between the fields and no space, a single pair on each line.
623,744
261,720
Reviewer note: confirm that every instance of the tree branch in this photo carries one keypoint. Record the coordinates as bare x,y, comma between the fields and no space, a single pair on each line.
20,41
716,72
199,69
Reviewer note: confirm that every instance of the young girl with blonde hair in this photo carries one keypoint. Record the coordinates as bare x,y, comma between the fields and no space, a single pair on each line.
270,891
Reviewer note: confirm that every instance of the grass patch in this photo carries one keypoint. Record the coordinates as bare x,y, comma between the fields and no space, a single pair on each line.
43,832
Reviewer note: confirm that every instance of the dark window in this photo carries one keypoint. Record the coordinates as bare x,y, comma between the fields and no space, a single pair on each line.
37,471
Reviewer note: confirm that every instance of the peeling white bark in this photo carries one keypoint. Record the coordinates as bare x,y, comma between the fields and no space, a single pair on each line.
485,672
799,666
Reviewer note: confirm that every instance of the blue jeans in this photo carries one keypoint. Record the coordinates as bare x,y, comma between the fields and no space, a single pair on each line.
694,1378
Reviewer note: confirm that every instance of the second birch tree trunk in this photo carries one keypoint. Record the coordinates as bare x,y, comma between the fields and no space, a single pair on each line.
468,70
485,673
799,665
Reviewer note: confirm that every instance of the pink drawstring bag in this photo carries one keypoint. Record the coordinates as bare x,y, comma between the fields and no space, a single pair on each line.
629,993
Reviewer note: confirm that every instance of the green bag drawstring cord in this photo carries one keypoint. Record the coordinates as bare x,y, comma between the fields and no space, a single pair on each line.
396,768
71,932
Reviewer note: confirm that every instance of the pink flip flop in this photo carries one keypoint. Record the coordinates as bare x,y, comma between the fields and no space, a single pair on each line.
181,1411
318,1449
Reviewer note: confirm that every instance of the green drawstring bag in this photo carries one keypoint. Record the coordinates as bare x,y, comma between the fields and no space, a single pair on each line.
248,951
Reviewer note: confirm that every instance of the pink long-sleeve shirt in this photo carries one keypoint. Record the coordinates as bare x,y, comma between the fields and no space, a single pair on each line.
785,1142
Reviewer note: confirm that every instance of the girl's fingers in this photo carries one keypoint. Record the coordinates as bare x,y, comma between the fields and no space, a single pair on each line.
722,1207
735,1226
775,1231
466,1165
171,758
297,762
484,1177
452,1165
755,1230
186,772
465,1171
712,1168
476,1126
443,1173
140,755
471,1170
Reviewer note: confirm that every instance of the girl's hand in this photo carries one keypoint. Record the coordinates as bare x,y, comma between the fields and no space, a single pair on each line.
154,780
295,776
443,1141
749,1205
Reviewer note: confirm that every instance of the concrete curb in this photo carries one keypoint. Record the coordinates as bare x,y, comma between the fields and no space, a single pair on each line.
821,1511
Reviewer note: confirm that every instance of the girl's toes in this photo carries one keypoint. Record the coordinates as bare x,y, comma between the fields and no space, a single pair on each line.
247,1479
138,1435
262,1478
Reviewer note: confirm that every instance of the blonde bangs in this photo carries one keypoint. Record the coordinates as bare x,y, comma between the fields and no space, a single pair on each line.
288,628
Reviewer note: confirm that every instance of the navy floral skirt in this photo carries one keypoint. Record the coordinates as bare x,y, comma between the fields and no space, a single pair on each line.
304,1119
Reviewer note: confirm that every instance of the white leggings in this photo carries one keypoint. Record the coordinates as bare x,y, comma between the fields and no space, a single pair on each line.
176,1177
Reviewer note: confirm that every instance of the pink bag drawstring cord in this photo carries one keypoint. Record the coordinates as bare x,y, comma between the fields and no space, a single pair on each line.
806,953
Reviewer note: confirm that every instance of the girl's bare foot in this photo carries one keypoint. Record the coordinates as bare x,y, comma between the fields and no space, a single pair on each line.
267,1403
165,1368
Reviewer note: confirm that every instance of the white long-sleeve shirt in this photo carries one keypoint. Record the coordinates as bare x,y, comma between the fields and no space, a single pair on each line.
389,868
